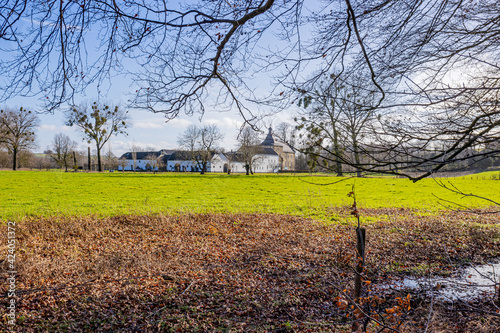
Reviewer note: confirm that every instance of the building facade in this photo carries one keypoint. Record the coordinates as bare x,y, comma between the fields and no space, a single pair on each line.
285,152
270,156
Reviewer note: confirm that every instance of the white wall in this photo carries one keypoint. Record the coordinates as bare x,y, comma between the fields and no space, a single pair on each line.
129,166
265,163
261,164
185,164
218,162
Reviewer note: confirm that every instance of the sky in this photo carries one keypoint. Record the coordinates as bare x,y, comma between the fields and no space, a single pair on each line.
147,129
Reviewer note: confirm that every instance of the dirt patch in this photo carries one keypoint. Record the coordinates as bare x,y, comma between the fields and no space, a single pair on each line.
241,273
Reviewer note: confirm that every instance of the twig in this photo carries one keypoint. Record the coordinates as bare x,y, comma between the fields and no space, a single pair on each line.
188,287
335,182
430,313
154,313
367,315
454,189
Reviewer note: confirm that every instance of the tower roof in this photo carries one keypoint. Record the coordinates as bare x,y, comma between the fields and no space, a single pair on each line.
269,140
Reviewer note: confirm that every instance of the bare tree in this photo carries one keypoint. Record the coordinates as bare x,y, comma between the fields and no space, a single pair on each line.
62,150
201,144
249,148
421,58
355,106
41,162
123,163
209,137
161,165
286,132
111,162
152,162
98,123
336,120
174,79
134,149
190,139
320,122
17,131
432,60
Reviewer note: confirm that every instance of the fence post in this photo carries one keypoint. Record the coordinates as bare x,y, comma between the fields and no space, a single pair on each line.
360,260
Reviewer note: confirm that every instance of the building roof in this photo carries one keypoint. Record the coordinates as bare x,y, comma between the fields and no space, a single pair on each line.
167,151
140,155
261,150
269,140
234,156
267,151
183,155
286,147
179,155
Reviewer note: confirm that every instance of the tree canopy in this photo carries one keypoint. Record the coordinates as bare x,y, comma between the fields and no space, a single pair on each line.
201,143
98,124
429,65
17,131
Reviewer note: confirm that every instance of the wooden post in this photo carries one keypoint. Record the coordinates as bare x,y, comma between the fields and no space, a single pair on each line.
89,161
360,260
498,300
75,166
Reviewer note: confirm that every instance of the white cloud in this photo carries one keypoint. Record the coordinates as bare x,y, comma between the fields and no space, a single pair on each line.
67,128
48,127
178,122
151,124
55,128
225,122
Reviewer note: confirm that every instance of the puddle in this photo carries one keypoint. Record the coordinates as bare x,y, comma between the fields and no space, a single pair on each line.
475,282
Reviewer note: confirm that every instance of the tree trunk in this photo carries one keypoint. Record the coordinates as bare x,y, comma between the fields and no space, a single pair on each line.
99,167
89,160
14,159
356,153
356,158
66,162
75,166
336,146
247,168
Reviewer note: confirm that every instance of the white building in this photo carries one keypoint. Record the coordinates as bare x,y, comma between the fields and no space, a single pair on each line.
141,161
180,161
270,156
266,161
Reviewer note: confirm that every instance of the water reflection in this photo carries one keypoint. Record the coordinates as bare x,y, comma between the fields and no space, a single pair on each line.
475,282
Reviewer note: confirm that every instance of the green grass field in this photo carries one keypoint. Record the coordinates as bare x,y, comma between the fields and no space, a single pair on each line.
39,193
80,268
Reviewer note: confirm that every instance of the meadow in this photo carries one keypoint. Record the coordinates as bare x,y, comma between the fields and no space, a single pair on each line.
139,252
41,193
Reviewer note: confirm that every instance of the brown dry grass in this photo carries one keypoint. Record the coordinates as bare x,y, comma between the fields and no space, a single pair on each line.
241,273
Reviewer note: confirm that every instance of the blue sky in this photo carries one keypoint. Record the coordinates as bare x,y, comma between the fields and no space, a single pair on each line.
146,129
151,130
